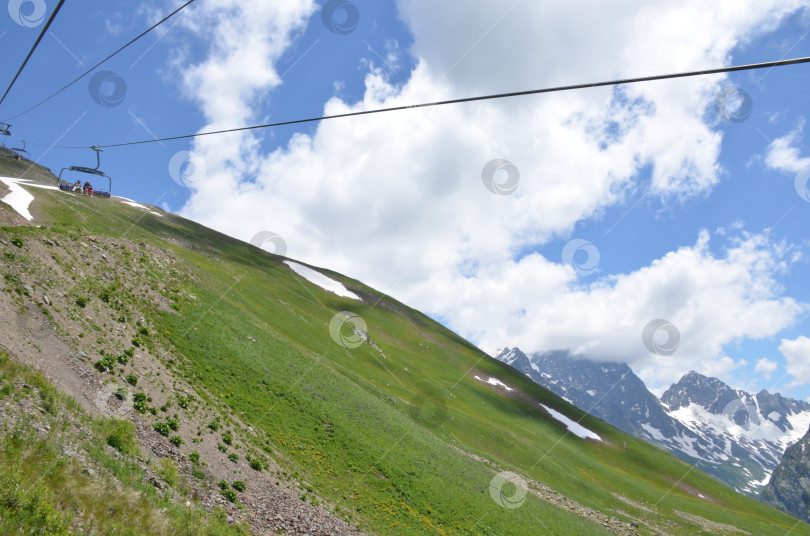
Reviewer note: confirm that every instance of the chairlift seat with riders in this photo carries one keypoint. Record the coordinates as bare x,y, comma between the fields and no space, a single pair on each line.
67,186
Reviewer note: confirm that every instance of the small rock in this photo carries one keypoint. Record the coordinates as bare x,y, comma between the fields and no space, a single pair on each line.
91,238
28,289
155,482
46,299
82,354
89,472
49,242
109,276
229,519
103,256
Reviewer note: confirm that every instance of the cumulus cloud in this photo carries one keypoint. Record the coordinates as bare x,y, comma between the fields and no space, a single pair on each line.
766,367
784,154
797,354
398,202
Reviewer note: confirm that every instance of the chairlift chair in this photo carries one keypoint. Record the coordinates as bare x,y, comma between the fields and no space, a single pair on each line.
5,129
22,149
67,186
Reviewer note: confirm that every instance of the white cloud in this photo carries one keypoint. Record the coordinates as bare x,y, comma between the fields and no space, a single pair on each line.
766,367
797,353
397,200
784,154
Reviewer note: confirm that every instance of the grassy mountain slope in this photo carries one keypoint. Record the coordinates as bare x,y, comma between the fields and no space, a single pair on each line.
397,437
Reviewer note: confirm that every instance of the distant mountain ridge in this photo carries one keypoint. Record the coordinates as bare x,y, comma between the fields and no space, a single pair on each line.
733,435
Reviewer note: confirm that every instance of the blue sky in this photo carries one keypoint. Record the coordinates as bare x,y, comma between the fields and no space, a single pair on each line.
695,218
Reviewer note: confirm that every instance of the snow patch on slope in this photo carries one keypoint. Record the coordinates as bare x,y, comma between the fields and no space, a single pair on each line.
138,205
573,427
494,381
19,198
321,280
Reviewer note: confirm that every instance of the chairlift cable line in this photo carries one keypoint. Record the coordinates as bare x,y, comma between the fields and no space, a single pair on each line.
33,48
91,69
721,70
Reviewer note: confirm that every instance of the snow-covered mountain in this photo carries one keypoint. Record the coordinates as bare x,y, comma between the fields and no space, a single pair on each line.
731,434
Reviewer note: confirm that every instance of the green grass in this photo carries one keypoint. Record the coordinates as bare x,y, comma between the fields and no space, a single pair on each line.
43,491
261,349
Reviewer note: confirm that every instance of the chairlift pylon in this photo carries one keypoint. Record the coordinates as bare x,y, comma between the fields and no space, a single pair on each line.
67,186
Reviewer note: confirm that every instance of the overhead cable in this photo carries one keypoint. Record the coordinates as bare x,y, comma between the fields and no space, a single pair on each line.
33,48
91,69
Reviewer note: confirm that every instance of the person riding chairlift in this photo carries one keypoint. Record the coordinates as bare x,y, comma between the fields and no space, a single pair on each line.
88,189
77,187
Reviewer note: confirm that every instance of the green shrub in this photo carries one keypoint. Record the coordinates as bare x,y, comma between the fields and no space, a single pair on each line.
221,447
168,471
194,457
176,440
256,464
143,331
162,428
132,380
227,438
104,296
214,425
230,495
223,485
17,241
121,394
106,364
123,359
139,400
136,342
182,402
81,302
120,435
234,457
238,485
173,424
129,352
